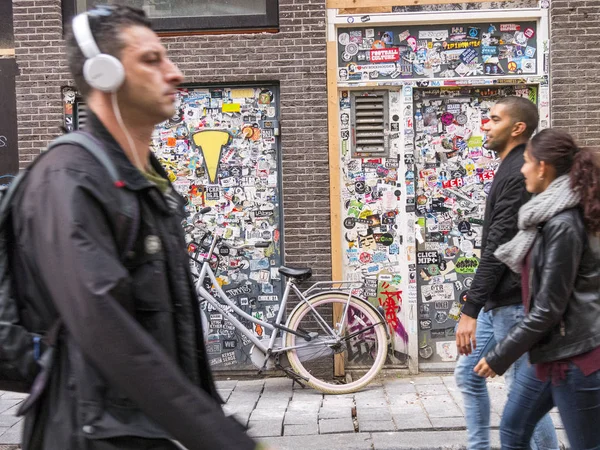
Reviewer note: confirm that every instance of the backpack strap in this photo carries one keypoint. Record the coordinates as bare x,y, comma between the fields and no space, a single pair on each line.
88,142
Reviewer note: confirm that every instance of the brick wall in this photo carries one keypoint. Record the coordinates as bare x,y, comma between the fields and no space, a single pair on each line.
575,68
295,57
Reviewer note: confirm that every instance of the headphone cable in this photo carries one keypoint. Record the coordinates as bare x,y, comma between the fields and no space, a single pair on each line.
132,148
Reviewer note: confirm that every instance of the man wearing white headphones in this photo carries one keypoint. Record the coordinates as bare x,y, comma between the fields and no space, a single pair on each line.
131,370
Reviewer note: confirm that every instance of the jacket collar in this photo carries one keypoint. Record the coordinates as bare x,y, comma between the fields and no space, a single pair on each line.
132,177
516,152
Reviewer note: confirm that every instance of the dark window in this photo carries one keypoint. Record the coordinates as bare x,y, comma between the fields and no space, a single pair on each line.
194,15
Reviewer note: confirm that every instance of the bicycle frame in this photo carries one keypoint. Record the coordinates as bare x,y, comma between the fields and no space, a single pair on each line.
274,327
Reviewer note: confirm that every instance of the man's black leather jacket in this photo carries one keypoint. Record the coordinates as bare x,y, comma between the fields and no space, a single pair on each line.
564,316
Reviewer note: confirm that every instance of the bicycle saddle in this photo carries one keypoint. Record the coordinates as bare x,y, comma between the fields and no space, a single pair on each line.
299,273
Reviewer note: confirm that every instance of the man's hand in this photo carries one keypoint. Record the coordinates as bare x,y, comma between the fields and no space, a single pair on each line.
483,369
465,334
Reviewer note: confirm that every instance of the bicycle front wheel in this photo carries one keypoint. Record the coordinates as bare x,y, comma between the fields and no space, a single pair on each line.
361,340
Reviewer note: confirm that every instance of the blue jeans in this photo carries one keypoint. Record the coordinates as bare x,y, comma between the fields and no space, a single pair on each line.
493,326
578,401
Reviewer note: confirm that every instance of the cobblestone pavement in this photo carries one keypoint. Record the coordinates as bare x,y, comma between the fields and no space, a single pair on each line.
423,412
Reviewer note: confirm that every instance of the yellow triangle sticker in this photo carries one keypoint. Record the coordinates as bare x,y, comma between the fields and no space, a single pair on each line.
211,143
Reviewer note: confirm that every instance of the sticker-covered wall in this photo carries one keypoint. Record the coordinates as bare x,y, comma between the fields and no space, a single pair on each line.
437,51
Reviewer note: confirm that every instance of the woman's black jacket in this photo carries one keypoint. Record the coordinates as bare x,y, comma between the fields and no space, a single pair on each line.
564,303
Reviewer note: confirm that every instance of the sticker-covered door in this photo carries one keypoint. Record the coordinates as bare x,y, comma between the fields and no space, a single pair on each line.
221,150
454,172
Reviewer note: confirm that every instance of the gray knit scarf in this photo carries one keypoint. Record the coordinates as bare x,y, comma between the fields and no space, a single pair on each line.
557,197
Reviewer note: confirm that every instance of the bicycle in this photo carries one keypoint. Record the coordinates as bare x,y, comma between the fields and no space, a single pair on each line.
309,341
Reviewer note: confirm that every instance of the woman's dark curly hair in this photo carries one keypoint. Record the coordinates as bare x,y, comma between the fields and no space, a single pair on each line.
558,149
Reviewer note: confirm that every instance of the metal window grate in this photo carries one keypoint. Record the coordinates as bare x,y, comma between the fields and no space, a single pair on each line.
80,114
369,124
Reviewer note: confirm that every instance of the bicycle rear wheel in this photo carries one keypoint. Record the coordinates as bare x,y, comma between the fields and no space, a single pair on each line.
361,340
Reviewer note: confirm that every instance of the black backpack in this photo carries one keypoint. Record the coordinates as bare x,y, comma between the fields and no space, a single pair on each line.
26,358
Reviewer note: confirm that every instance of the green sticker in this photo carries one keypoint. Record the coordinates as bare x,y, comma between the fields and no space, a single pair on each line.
475,141
466,265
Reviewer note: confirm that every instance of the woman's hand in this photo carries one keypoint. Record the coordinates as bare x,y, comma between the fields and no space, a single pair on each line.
483,369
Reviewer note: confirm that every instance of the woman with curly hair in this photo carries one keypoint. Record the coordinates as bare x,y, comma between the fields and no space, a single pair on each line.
557,252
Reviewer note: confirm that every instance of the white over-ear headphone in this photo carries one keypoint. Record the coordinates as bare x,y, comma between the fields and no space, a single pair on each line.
101,71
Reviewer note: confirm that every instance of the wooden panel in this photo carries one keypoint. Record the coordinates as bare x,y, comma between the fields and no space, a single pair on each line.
372,10
334,184
371,3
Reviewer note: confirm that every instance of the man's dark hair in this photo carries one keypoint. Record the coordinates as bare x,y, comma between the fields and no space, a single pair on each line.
523,110
106,23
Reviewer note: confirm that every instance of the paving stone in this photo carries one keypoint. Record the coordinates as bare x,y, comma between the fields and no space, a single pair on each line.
303,407
241,417
8,420
327,426
375,414
404,399
432,389
294,418
300,429
427,380
430,440
264,414
555,418
495,419
7,404
333,401
250,386
356,441
448,422
278,382
335,413
225,393
563,439
267,403
412,421
372,403
8,395
365,426
395,387
13,434
264,428
441,406
226,384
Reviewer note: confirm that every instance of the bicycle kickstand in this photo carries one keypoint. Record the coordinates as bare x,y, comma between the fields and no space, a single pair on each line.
291,374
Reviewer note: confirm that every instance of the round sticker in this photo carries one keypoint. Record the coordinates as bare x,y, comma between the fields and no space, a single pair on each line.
344,38
426,352
466,246
352,48
351,236
464,226
360,187
447,118
346,57
386,239
461,119
349,223
433,269
365,258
